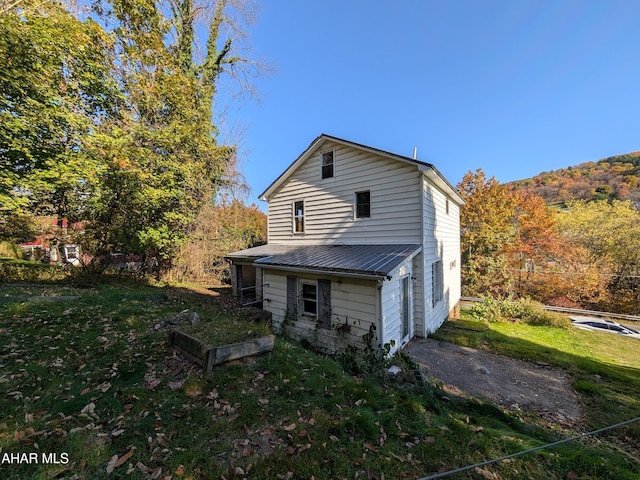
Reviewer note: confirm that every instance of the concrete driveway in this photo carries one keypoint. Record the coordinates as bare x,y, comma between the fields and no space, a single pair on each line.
514,384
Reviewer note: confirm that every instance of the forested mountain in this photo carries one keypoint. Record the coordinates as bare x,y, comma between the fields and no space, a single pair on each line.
616,177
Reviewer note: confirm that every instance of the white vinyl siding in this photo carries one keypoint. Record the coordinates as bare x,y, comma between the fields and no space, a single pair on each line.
437,282
353,302
329,206
418,295
392,306
441,243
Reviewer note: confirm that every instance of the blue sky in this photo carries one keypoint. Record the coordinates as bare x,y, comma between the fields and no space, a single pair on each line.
513,87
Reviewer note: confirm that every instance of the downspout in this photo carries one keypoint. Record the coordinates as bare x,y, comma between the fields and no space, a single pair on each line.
423,293
379,310
268,223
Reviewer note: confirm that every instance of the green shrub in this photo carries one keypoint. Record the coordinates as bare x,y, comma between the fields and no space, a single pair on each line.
10,250
523,309
489,310
534,313
30,272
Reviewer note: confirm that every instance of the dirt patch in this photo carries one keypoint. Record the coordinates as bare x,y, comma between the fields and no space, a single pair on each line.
514,384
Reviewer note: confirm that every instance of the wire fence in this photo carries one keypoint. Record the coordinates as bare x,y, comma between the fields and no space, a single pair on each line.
528,451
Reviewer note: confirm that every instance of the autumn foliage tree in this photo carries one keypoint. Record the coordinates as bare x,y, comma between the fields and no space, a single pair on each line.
549,267
608,234
505,234
487,230
587,255
221,227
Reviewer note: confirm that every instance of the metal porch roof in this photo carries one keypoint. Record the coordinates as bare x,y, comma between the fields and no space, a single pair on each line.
376,260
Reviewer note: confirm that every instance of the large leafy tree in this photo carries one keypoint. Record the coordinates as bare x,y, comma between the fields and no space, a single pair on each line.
111,122
161,160
57,90
488,231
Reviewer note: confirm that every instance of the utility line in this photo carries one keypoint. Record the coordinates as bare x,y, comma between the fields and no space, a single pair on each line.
552,272
531,450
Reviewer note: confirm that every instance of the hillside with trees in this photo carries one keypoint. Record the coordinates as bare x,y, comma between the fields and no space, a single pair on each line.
616,177
513,245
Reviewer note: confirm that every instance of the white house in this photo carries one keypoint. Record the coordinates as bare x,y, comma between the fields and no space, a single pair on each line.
364,246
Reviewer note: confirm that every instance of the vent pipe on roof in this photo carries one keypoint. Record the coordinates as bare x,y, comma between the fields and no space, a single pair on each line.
415,153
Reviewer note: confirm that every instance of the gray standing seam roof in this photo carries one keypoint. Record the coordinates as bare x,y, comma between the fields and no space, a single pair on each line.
377,260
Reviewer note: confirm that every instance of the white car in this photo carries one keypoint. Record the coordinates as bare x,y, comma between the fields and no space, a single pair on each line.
602,325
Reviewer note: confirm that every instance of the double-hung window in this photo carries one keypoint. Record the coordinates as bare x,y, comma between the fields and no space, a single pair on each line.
327,164
298,216
316,301
312,298
363,204
309,299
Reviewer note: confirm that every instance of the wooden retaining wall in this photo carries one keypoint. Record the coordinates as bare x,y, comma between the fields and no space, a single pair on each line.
209,356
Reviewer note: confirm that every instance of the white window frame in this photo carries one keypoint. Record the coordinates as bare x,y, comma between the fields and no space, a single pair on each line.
355,205
294,217
333,164
303,310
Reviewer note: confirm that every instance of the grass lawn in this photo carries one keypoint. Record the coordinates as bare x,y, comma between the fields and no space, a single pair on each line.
91,380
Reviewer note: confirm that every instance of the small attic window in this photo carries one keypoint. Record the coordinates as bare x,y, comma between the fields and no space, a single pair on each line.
327,164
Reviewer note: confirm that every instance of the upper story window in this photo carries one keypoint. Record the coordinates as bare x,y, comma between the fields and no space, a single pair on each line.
363,204
298,216
327,164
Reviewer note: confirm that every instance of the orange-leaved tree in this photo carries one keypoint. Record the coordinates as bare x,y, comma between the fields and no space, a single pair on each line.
508,239
487,233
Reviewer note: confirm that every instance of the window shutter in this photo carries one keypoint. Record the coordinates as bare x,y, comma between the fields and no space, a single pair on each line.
292,297
324,304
